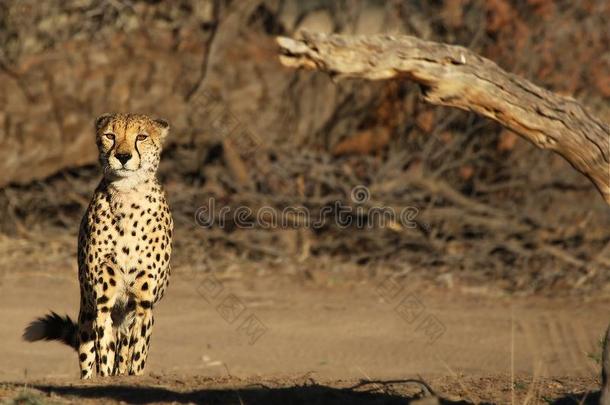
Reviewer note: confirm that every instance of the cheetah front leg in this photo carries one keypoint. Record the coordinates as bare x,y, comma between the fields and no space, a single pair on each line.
105,344
140,337
142,289
122,364
105,336
123,359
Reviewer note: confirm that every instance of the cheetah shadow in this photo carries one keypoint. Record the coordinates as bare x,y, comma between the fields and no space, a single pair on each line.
257,395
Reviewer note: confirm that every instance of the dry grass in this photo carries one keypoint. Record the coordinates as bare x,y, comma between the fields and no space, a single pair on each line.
512,234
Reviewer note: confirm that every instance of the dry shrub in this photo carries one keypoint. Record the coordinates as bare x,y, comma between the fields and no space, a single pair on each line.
490,208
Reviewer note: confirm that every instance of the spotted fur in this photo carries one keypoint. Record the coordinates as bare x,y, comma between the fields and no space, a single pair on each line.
124,250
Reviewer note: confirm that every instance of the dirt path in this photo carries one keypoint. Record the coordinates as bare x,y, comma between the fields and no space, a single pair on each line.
287,327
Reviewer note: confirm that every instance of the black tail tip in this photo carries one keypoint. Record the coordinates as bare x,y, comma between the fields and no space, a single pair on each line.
52,327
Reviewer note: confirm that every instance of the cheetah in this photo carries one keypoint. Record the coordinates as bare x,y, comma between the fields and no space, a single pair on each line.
124,249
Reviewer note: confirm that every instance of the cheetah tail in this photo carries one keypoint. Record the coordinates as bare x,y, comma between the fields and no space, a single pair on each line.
52,327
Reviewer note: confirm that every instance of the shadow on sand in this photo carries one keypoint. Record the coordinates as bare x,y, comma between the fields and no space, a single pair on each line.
255,395
585,398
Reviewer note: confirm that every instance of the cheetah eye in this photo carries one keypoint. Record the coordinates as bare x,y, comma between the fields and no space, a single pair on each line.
141,137
109,136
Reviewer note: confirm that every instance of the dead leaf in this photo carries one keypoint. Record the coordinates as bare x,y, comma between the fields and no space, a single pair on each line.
508,140
363,143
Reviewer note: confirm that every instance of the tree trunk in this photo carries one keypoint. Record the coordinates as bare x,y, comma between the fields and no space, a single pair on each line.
605,392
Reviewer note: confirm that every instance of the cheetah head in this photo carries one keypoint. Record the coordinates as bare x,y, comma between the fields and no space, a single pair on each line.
129,144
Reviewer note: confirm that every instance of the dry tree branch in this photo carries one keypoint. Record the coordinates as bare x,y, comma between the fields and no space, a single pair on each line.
456,77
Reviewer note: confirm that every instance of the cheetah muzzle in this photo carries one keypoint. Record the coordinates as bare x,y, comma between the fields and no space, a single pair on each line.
124,249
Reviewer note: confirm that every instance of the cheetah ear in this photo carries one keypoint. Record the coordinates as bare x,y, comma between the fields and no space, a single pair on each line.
163,127
102,120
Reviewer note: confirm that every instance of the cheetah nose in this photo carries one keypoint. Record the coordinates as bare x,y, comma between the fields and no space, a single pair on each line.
123,157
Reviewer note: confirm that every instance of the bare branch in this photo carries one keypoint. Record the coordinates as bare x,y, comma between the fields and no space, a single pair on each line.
456,77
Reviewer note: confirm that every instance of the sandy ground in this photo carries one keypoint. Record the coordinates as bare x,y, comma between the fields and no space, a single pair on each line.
217,336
